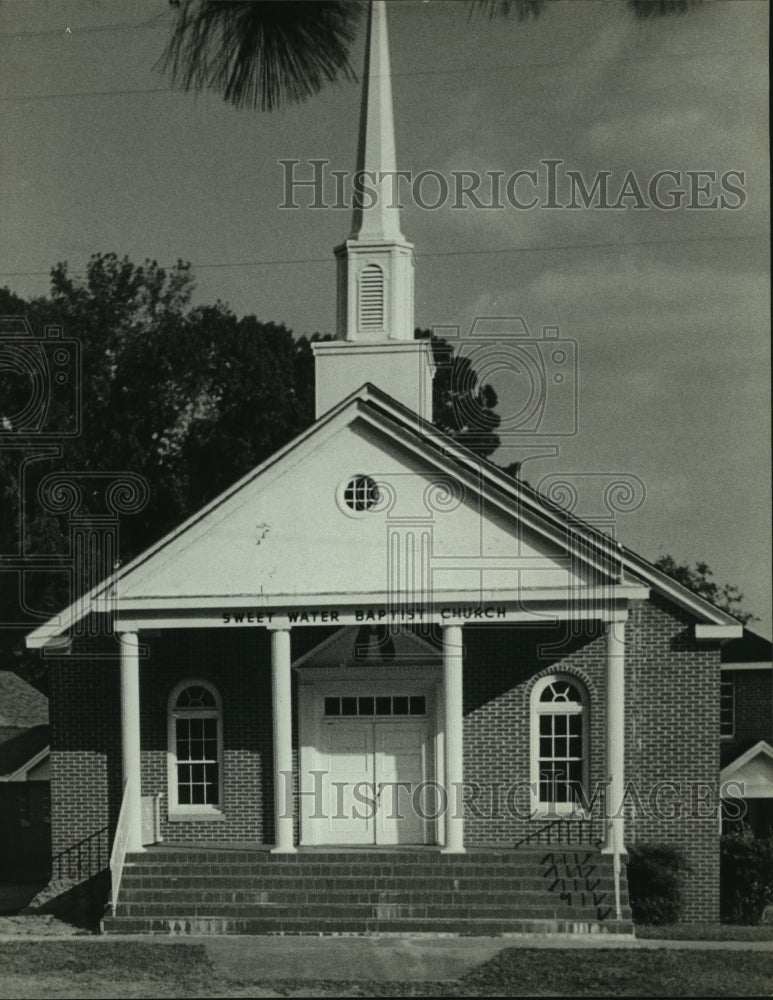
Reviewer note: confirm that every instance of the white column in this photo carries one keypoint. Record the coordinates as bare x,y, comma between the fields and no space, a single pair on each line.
615,843
454,725
130,736
282,714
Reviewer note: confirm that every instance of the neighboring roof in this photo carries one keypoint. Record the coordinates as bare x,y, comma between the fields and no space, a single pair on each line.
21,705
751,773
22,749
750,648
590,545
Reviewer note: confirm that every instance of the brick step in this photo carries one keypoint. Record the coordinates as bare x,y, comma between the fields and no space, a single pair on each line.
325,883
316,927
537,909
203,891
301,894
414,871
346,858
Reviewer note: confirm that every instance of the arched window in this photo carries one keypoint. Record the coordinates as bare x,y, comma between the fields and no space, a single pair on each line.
559,745
195,748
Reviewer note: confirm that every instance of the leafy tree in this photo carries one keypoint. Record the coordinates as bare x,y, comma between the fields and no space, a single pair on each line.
461,406
700,580
189,399
263,53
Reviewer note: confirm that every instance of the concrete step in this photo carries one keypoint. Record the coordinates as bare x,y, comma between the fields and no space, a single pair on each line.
232,892
315,926
305,894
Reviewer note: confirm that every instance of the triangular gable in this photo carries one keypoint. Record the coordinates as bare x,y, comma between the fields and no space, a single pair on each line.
282,511
355,646
752,772
291,534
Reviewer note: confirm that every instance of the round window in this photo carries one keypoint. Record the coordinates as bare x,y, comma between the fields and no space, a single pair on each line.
361,493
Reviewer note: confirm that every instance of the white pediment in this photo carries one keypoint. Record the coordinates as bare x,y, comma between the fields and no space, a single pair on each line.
357,646
288,532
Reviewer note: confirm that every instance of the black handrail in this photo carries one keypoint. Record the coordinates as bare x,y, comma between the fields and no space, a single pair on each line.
88,857
562,831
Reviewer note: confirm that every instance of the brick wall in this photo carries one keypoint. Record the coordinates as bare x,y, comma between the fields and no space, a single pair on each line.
672,720
501,667
238,664
84,705
672,727
86,737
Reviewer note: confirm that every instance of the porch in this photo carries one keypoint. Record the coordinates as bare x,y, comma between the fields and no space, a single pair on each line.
247,889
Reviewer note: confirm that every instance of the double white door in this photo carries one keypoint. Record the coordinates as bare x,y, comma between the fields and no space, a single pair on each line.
373,781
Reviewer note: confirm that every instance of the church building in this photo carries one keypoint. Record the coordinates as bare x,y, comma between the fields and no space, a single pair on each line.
379,684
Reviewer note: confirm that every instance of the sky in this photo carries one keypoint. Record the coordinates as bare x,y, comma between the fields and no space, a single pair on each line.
664,313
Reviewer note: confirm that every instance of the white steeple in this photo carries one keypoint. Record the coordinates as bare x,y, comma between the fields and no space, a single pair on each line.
375,264
376,146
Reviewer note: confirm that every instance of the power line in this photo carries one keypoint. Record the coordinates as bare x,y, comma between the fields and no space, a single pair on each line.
464,71
289,261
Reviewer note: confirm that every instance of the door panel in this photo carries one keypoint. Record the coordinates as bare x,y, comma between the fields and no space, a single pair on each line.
348,789
400,767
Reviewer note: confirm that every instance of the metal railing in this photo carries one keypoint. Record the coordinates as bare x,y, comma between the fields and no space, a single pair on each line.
566,832
85,859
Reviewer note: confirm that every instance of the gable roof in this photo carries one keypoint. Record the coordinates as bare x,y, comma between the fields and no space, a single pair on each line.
591,546
22,751
753,770
21,705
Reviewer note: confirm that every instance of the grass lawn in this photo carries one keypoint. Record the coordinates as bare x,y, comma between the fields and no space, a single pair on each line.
127,969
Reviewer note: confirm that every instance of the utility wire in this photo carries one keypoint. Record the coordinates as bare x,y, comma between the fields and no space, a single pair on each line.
447,253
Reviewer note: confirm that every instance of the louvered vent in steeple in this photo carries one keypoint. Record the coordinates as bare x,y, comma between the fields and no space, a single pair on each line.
371,303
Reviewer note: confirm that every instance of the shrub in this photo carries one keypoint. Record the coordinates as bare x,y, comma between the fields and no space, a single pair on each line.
746,877
655,883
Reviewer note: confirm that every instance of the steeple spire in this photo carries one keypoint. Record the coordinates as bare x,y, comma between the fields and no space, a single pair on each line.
376,147
375,265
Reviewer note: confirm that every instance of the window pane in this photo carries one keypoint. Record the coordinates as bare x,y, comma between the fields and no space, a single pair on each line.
332,706
559,729
348,706
383,706
365,706
211,789
400,705
418,705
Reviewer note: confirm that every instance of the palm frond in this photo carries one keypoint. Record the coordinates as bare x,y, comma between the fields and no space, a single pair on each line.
523,9
262,53
661,8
